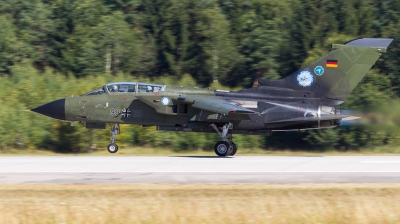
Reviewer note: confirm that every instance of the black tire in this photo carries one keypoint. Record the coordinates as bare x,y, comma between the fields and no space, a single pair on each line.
222,148
112,148
234,148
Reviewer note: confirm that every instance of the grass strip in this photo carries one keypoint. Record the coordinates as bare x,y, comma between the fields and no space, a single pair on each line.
200,203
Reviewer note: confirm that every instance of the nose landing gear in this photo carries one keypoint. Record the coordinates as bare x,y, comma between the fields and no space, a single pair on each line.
113,148
226,147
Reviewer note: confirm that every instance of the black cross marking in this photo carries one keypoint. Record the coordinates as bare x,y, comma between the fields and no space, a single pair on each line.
126,112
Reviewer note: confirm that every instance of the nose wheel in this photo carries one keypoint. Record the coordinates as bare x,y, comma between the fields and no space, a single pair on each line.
113,148
226,147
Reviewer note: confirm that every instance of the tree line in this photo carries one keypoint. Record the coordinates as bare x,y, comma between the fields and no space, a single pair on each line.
234,42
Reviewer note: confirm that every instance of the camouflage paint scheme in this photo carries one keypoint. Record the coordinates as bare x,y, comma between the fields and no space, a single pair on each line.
291,103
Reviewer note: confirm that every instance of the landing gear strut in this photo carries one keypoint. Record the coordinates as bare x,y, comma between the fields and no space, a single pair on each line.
113,148
226,147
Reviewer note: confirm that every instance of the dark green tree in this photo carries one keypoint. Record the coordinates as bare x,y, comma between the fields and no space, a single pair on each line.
211,52
12,50
33,27
258,42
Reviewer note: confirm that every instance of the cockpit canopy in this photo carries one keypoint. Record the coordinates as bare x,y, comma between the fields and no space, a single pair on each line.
126,87
121,87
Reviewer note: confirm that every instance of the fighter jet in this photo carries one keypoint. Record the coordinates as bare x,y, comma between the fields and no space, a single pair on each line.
305,99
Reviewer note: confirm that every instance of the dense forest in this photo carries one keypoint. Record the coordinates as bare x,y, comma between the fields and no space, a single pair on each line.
51,49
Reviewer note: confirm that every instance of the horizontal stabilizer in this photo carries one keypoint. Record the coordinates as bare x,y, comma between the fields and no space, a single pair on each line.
350,118
307,119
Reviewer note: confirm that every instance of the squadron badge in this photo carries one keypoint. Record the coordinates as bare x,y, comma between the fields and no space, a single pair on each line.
319,70
305,78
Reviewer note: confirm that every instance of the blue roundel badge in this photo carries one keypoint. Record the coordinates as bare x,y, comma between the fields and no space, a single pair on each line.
319,70
165,101
305,78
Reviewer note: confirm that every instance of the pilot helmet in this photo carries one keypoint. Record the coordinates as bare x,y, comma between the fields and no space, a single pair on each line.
115,88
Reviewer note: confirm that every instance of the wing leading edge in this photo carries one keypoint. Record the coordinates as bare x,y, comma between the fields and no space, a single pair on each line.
220,106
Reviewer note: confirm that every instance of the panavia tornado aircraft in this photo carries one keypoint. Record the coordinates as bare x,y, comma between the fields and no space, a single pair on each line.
305,99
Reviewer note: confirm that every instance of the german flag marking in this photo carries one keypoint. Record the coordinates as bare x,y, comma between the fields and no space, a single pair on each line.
331,63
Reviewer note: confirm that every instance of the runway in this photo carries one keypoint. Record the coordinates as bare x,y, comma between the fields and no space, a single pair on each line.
198,169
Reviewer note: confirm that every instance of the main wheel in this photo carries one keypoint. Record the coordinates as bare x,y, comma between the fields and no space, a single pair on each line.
222,148
112,148
233,151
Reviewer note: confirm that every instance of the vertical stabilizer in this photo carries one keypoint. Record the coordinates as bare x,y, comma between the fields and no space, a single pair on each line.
335,75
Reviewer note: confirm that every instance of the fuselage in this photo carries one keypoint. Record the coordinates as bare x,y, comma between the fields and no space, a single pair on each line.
305,99
139,103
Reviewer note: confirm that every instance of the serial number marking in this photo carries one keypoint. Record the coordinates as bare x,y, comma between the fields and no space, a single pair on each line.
137,113
114,112
126,113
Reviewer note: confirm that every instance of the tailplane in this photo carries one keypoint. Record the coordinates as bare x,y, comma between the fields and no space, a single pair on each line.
335,75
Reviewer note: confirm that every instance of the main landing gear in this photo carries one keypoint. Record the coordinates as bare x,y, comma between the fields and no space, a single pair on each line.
226,147
113,148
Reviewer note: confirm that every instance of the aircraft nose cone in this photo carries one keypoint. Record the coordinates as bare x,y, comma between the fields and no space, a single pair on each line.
55,109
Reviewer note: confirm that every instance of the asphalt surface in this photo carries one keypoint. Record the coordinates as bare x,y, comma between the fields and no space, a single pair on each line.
199,169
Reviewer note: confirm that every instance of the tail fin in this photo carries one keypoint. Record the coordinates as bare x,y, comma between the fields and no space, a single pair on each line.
335,75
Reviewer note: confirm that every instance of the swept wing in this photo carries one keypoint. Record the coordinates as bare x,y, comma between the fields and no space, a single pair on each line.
220,106
207,103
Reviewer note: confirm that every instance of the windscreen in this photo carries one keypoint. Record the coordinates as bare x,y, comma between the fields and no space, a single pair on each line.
97,91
